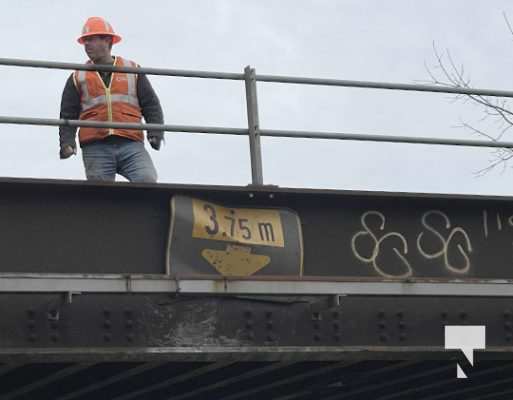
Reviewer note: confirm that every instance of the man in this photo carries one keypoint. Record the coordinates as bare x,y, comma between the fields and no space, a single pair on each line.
109,97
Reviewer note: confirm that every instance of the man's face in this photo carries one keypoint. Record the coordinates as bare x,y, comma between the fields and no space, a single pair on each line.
97,47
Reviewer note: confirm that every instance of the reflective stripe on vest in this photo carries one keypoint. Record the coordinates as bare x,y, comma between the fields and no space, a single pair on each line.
121,98
87,101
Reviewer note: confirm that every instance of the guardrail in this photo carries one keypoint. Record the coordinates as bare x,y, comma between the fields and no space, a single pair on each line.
254,131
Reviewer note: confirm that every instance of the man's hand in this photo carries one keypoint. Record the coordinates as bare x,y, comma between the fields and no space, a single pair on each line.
155,142
67,151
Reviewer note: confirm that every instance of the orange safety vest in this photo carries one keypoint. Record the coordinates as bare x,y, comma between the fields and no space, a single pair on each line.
116,103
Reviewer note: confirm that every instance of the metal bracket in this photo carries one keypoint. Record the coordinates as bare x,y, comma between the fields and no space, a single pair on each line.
128,283
68,297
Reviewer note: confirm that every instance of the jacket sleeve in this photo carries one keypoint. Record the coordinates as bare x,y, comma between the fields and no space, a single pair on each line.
70,109
150,105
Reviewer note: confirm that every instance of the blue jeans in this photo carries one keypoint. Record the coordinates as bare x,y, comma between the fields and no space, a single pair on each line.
103,159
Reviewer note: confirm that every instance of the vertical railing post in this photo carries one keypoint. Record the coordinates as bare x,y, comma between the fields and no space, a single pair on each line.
253,125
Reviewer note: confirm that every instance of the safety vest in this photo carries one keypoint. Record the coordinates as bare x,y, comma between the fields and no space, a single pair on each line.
116,103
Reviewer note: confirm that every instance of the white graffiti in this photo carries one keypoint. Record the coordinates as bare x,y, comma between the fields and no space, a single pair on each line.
445,243
377,245
485,223
499,223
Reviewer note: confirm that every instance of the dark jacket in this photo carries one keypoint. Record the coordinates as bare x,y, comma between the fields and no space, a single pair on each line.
70,107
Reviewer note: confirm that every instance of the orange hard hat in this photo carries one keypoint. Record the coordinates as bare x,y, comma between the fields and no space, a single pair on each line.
98,26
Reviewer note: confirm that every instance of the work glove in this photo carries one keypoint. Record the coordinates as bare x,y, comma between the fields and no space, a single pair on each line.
67,150
155,139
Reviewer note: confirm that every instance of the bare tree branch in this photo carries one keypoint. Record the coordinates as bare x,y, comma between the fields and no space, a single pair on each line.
507,22
496,111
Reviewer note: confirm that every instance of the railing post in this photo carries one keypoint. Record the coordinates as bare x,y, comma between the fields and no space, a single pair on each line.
253,125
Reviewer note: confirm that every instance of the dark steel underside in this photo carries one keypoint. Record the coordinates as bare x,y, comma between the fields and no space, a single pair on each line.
423,380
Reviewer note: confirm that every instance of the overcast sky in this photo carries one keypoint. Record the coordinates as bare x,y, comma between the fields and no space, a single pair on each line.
372,40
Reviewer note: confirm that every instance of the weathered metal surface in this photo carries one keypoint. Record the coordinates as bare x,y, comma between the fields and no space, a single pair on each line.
55,226
178,324
162,346
52,227
114,342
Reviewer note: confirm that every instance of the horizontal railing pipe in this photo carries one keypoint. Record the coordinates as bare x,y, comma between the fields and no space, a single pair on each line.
382,138
263,132
383,85
110,68
122,125
260,78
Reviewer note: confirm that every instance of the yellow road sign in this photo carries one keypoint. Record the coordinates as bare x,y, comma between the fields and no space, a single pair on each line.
239,225
207,238
235,260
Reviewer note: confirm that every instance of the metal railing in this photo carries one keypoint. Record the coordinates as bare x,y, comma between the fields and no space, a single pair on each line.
254,131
